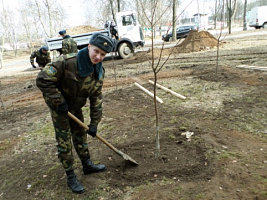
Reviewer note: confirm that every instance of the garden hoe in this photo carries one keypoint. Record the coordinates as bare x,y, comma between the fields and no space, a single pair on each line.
126,157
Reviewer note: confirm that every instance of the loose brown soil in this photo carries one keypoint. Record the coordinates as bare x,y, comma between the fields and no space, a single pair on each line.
225,158
81,29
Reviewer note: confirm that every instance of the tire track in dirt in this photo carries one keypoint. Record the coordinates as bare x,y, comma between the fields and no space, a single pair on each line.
22,100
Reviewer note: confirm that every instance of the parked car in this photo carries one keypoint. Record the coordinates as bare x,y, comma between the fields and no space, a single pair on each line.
181,32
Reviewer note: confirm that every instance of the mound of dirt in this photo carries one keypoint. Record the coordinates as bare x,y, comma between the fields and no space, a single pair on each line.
197,41
81,29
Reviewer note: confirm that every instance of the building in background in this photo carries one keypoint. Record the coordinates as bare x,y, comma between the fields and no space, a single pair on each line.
201,21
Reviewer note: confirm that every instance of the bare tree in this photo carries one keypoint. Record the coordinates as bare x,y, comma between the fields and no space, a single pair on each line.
156,64
107,10
112,10
174,18
218,42
3,38
163,12
2,51
119,5
217,9
1,101
215,13
29,28
50,15
231,10
10,28
245,16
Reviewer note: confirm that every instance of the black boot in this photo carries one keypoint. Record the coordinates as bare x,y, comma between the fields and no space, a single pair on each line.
89,167
73,183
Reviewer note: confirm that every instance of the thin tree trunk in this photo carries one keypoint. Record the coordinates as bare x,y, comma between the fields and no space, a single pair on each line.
3,105
112,10
174,21
215,18
2,102
50,17
157,154
229,9
119,5
40,17
115,73
245,16
218,44
2,52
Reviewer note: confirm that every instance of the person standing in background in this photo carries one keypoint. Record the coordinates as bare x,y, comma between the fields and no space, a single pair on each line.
69,45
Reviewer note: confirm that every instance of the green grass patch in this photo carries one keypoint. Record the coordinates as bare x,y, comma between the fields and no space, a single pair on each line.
5,144
227,155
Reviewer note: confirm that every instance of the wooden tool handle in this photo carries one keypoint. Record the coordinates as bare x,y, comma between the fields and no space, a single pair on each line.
98,136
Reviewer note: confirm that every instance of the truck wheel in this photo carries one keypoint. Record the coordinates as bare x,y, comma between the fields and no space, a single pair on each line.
264,25
125,50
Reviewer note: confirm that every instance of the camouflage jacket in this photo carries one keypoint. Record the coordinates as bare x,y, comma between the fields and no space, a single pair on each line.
62,81
69,45
41,58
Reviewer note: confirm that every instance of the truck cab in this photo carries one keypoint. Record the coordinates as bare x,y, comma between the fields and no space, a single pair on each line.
129,33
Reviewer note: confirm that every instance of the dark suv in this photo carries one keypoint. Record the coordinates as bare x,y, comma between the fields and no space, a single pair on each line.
181,32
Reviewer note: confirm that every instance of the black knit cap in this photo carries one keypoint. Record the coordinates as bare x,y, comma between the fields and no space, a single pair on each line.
62,32
102,41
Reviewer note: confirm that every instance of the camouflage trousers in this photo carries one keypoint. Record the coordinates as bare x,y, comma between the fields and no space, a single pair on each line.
67,132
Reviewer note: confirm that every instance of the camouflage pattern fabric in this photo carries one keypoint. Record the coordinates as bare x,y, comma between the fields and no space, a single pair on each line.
65,130
69,45
60,81
41,58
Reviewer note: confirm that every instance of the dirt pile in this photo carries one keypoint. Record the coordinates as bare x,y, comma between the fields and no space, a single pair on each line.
81,29
196,41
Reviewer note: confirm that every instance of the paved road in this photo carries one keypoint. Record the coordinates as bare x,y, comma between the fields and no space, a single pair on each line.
224,35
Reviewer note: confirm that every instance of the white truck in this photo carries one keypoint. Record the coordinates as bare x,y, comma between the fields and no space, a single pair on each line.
127,34
258,17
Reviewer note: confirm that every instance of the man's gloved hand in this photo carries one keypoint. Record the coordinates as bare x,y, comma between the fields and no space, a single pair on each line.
33,66
92,130
63,108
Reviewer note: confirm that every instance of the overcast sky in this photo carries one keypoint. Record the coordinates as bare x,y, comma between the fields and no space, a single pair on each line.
76,12
74,8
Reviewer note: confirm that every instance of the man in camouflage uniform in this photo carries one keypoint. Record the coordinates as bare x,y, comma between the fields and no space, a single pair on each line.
42,57
66,83
69,45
